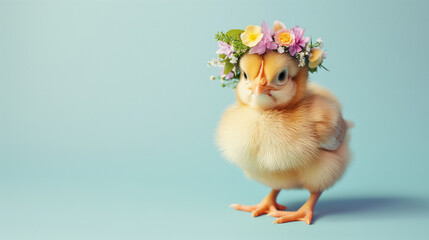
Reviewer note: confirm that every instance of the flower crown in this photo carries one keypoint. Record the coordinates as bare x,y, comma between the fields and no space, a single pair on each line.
259,39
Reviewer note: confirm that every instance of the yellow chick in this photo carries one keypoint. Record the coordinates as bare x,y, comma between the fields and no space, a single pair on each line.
284,133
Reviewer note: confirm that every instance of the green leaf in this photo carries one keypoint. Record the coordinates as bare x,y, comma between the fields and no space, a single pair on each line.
234,32
222,55
225,60
228,68
312,70
323,67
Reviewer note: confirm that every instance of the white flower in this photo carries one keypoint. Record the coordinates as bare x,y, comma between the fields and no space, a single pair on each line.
320,41
234,59
231,47
211,62
325,54
301,62
301,54
281,49
212,77
214,62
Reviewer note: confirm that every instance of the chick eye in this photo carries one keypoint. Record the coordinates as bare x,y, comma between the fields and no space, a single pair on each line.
245,76
282,77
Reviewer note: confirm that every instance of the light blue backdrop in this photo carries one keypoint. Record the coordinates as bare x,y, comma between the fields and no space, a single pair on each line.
108,118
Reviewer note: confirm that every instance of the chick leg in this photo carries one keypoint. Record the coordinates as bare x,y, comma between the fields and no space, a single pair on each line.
267,205
305,213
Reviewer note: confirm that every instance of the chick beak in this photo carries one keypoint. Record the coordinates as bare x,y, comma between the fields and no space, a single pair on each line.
260,86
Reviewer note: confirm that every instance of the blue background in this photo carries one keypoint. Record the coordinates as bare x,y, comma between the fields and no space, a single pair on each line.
108,118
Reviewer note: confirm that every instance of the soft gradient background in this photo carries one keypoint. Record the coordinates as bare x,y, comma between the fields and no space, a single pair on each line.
108,118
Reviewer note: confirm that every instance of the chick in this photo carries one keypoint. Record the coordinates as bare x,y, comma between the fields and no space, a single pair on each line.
284,133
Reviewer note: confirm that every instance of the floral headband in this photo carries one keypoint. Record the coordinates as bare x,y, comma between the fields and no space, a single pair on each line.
259,39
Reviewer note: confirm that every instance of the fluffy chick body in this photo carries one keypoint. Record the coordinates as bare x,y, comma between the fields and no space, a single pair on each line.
284,133
281,147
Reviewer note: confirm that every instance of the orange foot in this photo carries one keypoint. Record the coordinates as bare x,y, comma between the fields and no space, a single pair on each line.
305,213
267,205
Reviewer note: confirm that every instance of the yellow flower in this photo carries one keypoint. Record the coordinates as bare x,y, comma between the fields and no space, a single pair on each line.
316,58
251,36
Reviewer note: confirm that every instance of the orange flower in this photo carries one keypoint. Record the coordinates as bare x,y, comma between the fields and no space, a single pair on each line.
285,37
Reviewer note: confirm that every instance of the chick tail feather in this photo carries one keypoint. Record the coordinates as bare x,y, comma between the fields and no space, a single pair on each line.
350,124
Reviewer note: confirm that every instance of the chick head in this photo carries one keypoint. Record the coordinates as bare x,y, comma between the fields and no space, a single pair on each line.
270,81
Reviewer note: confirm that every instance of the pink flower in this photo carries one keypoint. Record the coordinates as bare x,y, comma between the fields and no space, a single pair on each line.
224,48
300,41
266,41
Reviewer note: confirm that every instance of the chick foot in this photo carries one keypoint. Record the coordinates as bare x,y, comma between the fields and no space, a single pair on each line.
288,216
267,205
305,213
